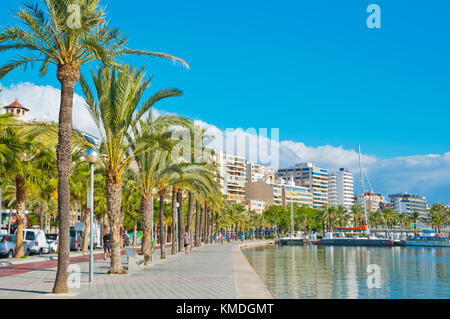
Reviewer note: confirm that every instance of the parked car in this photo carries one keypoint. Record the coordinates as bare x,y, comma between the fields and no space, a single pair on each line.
76,239
7,245
52,240
77,236
35,242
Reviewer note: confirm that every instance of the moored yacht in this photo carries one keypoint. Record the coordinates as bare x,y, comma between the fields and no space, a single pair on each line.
428,238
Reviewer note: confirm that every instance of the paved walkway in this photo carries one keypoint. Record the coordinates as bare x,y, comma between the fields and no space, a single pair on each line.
208,272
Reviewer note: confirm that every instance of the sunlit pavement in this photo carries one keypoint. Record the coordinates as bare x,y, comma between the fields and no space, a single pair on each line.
206,272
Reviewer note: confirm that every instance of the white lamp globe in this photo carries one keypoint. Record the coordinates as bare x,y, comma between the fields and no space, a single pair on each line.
91,155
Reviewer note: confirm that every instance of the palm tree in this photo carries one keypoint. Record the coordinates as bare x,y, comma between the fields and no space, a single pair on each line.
439,216
150,167
117,114
131,200
341,215
414,217
357,211
7,148
23,167
55,34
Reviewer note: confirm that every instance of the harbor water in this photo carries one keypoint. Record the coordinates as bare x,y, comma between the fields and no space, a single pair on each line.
344,272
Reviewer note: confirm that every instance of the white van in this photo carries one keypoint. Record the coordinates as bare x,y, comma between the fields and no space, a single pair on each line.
35,241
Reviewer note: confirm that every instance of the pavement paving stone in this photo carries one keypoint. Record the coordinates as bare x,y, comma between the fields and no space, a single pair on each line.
204,273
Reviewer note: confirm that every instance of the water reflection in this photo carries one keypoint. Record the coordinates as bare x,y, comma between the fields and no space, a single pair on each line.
340,272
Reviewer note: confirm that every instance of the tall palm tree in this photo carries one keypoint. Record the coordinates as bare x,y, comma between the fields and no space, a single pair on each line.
150,167
117,112
68,37
24,167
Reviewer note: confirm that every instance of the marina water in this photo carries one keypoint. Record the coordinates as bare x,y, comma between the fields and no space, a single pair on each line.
342,272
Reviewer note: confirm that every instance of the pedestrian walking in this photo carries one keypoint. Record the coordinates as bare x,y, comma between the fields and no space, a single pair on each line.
186,243
106,244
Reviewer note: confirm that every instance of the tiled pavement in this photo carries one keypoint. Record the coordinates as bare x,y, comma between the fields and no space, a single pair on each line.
206,272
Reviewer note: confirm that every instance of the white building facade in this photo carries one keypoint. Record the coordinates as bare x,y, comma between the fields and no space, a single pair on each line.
340,188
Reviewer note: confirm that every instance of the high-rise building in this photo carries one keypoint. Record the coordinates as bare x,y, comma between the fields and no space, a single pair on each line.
232,169
374,201
311,177
408,203
257,172
340,188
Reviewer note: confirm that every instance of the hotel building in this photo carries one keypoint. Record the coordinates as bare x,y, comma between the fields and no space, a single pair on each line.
315,179
340,188
232,169
257,172
408,203
374,201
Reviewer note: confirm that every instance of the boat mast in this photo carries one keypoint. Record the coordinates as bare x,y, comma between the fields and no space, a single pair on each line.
363,194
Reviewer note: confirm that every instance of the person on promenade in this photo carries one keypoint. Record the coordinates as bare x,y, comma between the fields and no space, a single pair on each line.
106,244
186,243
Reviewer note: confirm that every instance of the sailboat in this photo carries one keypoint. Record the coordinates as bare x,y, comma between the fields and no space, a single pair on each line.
340,238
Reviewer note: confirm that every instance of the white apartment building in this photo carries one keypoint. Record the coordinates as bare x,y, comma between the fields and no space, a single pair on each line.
408,203
311,177
257,172
340,188
374,201
232,169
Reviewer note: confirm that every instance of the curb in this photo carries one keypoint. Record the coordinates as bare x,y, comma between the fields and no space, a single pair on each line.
247,283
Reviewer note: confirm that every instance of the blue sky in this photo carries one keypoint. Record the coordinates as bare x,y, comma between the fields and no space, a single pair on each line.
310,68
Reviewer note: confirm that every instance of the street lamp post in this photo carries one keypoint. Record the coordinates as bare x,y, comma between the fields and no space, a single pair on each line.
91,157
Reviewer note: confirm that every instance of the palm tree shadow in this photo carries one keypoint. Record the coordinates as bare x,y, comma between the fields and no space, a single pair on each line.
28,291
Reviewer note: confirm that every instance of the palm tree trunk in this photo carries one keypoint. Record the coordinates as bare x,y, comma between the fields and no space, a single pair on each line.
162,234
207,225
181,229
20,214
147,218
174,221
113,202
67,75
212,226
134,231
190,217
198,215
86,230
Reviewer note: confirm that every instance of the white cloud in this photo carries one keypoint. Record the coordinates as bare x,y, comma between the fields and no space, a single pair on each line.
43,102
427,175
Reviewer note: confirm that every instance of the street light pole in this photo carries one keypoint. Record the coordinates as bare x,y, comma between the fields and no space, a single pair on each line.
91,239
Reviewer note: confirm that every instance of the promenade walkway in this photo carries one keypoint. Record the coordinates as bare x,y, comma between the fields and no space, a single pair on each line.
208,272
